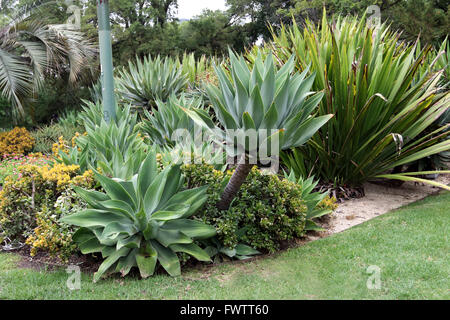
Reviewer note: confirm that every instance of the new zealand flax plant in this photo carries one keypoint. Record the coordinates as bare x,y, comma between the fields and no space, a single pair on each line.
380,101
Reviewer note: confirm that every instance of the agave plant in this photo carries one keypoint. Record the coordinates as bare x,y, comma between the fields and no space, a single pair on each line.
163,124
193,68
312,200
369,82
145,82
141,221
275,104
115,147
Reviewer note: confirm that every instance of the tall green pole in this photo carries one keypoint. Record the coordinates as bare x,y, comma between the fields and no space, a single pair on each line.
106,62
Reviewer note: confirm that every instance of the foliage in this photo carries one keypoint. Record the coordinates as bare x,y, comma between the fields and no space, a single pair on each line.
10,164
212,33
36,187
256,15
30,49
145,82
318,204
46,136
430,22
270,103
265,212
427,19
376,122
50,234
263,99
115,147
141,221
169,119
18,141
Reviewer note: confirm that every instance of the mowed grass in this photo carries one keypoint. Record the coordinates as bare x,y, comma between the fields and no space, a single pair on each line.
409,245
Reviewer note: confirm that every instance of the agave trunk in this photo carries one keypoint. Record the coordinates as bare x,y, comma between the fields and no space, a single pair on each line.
233,186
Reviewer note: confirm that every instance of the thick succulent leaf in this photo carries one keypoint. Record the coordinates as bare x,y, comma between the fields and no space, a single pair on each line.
171,187
255,107
91,197
312,226
154,193
193,250
169,237
166,215
200,117
147,172
90,246
244,250
196,198
90,218
109,262
168,259
129,242
125,264
114,229
318,213
83,234
304,132
193,229
115,190
247,121
146,261
119,207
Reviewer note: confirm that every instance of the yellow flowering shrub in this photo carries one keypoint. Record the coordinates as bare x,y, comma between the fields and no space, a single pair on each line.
61,145
31,206
16,141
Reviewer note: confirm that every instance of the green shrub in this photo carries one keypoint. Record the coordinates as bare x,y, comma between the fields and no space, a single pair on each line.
27,201
51,235
266,211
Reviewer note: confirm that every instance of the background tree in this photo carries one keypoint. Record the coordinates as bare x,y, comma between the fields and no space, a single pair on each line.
31,50
212,33
427,18
257,14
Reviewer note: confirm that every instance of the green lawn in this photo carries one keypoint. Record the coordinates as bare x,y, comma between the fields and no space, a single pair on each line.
409,245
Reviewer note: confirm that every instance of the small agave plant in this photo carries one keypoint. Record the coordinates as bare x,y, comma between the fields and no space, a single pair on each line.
140,222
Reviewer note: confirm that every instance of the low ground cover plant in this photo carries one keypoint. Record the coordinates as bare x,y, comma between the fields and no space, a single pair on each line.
11,163
32,202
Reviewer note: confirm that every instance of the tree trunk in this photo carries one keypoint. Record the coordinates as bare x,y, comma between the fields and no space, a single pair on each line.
233,186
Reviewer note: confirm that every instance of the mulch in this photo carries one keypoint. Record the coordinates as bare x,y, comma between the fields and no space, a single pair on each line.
43,260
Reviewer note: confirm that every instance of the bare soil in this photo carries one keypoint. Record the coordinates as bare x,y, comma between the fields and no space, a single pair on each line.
378,200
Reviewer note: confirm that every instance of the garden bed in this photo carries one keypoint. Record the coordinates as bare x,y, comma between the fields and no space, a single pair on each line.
379,200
